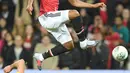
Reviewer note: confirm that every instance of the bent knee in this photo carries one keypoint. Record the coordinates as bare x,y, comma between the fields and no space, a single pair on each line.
73,14
69,45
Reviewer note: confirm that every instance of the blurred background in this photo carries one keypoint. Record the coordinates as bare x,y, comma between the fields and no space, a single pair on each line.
21,35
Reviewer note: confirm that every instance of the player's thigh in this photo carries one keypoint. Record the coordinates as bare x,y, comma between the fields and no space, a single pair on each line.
67,15
63,36
58,18
66,37
53,20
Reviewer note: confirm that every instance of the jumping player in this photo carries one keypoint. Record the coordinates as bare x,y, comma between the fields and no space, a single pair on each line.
54,22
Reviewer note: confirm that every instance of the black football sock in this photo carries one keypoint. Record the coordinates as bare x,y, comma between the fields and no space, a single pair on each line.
58,49
77,44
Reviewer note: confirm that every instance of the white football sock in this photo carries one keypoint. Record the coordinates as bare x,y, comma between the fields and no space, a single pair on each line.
83,44
39,56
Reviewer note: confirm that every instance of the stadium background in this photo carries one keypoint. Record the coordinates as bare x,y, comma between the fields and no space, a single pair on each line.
20,35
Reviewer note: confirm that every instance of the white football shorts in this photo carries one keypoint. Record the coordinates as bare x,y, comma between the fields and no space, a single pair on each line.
54,22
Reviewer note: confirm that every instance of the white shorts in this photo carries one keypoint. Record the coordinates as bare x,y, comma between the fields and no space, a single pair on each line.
54,22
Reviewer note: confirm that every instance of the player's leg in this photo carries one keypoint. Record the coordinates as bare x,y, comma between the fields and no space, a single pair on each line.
63,36
82,44
73,14
66,44
54,23
57,50
20,65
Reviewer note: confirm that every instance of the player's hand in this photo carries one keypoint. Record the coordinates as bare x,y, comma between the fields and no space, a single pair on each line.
7,69
101,5
29,9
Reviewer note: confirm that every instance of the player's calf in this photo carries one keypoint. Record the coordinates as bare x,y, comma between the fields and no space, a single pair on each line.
57,50
83,44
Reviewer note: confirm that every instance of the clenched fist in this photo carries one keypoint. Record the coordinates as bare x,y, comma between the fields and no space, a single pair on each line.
101,5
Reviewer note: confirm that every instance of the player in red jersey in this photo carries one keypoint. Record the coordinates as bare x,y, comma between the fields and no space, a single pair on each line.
54,22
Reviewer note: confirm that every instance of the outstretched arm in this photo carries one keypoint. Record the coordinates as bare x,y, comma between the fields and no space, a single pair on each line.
78,3
30,6
20,65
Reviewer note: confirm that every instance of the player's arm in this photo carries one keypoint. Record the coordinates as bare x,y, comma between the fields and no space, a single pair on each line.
79,3
30,6
20,65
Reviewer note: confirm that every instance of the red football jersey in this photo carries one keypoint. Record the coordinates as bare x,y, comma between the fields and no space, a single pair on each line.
48,5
